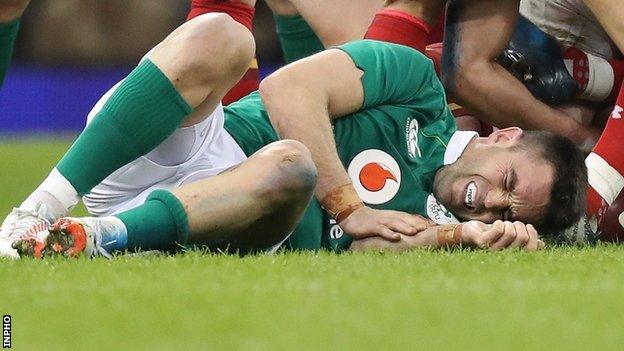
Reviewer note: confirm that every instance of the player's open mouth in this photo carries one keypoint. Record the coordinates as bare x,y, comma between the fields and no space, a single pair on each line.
471,194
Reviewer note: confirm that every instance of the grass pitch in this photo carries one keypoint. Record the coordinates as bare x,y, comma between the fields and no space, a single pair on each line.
561,298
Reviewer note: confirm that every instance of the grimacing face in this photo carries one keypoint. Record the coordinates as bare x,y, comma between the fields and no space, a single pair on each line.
493,180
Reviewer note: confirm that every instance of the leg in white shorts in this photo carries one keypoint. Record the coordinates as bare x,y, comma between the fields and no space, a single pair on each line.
188,163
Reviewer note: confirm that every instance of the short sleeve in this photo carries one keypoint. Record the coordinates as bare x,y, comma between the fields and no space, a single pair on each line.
393,74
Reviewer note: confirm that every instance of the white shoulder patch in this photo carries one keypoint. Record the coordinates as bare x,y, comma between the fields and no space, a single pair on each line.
438,213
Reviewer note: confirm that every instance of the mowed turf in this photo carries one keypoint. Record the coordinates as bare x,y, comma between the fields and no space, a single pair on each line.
561,298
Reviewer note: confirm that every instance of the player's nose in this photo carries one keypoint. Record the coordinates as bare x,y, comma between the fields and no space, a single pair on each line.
495,200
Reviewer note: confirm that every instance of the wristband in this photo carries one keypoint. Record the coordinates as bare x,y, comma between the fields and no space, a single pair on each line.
342,215
449,235
341,202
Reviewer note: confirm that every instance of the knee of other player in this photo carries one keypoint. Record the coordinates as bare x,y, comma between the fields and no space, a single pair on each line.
290,174
282,7
214,44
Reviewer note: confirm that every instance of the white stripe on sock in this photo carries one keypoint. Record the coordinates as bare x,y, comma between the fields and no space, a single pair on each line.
606,180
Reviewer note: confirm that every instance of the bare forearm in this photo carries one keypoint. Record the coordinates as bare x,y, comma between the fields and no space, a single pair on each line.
299,111
503,101
302,99
472,76
315,133
424,239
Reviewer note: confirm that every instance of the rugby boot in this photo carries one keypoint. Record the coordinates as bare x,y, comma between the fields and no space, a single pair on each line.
31,220
69,237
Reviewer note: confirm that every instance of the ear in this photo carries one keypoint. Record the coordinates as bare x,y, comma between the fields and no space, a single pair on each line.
505,136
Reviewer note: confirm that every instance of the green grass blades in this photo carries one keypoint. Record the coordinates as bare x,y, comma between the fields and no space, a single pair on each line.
561,298
558,299
25,163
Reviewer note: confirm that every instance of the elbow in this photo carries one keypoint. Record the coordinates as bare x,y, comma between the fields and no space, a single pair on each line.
272,90
462,79
268,88
276,87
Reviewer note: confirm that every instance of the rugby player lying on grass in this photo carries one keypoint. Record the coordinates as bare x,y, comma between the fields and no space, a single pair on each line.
596,72
162,164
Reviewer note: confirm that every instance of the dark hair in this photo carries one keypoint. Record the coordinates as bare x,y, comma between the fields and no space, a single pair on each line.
569,189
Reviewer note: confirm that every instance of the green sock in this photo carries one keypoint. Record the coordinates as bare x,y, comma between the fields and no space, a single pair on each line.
297,38
142,112
8,33
158,224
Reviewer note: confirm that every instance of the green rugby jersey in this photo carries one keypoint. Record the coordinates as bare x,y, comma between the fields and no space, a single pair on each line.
391,147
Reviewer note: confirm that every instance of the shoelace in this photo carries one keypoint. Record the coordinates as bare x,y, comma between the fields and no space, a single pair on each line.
97,241
26,223
103,252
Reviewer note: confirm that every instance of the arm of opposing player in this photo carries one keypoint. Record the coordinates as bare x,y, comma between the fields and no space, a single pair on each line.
471,75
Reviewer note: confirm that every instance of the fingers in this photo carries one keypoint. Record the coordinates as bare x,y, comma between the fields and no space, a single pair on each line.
389,234
518,235
508,236
405,223
501,235
491,235
400,226
540,244
527,237
522,235
534,242
416,222
397,223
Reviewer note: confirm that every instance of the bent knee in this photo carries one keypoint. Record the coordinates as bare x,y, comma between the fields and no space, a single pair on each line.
210,45
291,170
219,31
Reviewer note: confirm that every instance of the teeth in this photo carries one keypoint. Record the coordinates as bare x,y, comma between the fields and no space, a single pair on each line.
471,190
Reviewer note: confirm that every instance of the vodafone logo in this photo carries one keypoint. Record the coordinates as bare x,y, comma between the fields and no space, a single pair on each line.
376,176
617,112
373,176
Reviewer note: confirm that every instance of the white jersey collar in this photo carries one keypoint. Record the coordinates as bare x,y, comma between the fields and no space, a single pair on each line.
457,145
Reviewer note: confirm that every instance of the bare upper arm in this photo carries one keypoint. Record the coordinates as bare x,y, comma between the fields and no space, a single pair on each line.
476,33
329,78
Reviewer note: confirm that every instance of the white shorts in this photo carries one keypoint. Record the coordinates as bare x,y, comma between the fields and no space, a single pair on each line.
189,154
572,23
